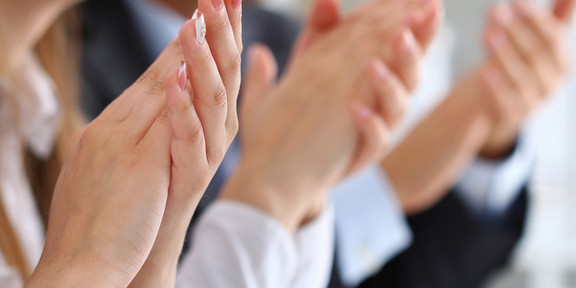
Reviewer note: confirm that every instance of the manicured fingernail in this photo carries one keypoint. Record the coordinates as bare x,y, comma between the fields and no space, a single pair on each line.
236,3
200,26
382,70
217,4
182,77
408,41
504,16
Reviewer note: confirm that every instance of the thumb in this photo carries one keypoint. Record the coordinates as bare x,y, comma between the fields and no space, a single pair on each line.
564,9
325,14
260,77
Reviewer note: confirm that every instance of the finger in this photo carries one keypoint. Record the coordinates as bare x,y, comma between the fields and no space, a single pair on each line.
374,137
392,97
234,9
548,29
406,63
325,14
261,75
209,94
188,146
564,10
425,27
528,45
510,63
139,106
224,48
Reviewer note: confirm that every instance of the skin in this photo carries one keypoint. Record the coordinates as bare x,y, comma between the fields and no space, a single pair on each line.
293,186
157,149
402,22
483,114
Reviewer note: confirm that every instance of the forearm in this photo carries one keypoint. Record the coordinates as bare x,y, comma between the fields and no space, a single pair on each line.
430,159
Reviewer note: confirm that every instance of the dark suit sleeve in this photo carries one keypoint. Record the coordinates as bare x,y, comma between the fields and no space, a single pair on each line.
453,248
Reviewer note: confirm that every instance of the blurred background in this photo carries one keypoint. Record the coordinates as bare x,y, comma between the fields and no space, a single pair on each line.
547,255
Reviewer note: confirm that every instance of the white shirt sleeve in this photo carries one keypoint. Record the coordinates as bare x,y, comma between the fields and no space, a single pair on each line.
9,278
236,245
370,225
489,187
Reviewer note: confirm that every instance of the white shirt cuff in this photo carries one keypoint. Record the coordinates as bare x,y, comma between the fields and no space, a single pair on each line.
371,227
237,245
490,187
315,243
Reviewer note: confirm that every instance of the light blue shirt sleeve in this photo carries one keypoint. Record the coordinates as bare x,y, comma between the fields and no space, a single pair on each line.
370,225
490,187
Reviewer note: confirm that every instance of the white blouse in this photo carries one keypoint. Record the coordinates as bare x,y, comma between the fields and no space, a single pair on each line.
36,127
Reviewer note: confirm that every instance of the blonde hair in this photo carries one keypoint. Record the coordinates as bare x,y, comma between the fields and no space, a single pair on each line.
58,52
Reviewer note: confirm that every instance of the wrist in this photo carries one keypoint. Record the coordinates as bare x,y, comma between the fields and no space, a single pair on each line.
79,272
282,202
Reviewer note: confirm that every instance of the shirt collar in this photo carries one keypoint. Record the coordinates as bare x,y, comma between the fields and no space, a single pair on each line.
158,23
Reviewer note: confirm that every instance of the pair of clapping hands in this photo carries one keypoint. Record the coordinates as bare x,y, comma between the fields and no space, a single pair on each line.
133,177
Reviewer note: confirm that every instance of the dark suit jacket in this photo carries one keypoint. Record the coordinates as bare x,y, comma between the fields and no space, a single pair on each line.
451,248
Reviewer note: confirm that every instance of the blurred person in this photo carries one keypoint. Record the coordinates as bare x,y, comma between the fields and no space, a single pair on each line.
121,50
156,158
483,115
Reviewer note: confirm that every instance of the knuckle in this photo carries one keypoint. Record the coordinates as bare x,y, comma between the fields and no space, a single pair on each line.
152,75
194,135
163,117
157,88
222,26
219,97
235,63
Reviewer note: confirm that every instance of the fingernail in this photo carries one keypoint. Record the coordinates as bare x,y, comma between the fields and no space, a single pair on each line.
504,16
408,41
236,3
382,70
217,4
182,77
200,26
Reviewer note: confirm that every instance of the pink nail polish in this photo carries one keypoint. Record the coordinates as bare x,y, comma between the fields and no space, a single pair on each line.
182,77
200,26
236,3
217,4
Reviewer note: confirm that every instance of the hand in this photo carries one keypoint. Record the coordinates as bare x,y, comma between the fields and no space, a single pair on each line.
125,173
528,58
299,136
203,127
